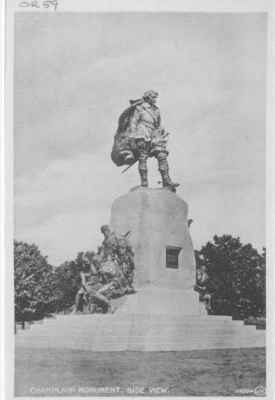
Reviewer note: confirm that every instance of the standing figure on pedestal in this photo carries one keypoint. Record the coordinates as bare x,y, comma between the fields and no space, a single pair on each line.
139,136
110,242
118,257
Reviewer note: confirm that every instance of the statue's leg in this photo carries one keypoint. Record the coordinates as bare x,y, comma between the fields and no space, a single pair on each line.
78,298
164,171
142,162
89,299
102,301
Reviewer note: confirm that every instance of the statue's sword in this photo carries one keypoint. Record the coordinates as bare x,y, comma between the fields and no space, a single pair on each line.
128,167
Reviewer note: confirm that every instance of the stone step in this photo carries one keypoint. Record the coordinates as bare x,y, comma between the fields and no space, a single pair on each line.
110,324
158,328
76,342
106,333
119,344
142,332
145,316
179,336
140,318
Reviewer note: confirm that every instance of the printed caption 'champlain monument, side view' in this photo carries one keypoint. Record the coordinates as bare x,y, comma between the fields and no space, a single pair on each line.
162,312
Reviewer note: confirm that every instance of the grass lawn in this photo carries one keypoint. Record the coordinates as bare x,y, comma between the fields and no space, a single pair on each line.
40,372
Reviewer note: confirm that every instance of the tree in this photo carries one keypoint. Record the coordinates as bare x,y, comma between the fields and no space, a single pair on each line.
237,272
259,286
67,280
33,283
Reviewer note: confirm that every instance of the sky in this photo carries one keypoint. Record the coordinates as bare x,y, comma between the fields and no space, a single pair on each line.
76,72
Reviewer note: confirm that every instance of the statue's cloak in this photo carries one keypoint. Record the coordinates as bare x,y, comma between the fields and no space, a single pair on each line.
124,149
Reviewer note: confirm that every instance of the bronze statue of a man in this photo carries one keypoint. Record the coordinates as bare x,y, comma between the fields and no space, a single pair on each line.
139,136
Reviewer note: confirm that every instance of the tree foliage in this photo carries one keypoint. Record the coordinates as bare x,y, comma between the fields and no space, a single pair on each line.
33,283
237,273
39,288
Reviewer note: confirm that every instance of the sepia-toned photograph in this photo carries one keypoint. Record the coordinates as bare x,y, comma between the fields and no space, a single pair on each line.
139,153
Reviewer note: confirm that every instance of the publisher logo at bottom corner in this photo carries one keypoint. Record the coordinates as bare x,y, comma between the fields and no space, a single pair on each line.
259,391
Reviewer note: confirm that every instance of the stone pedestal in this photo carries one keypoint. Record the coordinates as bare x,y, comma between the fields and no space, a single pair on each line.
157,219
164,255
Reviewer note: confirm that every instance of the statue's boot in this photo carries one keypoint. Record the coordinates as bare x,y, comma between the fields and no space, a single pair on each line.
164,171
168,183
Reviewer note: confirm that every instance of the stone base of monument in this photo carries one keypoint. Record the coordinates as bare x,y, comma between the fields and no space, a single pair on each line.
154,300
159,235
165,314
140,332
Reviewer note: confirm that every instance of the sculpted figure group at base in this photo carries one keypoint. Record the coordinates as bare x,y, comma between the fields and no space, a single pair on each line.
108,275
139,136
